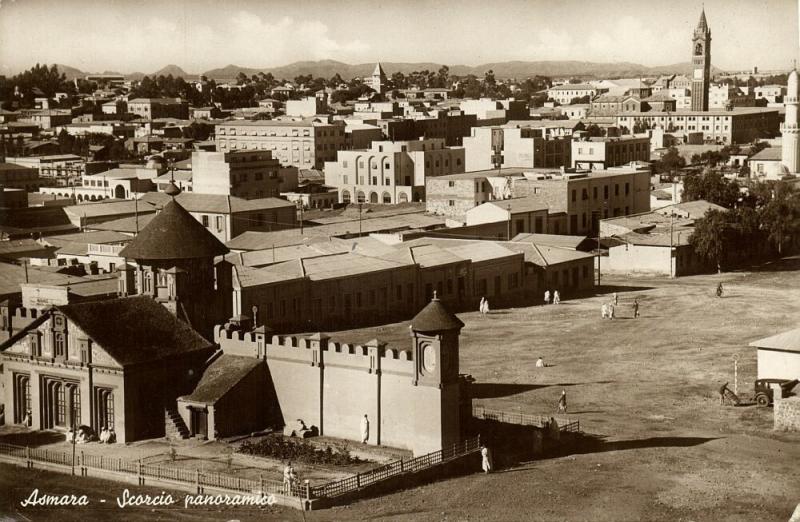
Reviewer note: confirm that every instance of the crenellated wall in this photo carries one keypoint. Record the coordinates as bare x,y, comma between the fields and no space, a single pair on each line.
332,385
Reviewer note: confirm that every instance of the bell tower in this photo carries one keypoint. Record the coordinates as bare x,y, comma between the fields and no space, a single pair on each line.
701,64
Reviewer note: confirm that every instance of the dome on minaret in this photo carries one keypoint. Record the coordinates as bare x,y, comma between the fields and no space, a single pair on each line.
792,84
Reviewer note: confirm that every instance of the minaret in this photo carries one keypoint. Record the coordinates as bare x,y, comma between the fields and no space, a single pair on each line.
701,63
790,144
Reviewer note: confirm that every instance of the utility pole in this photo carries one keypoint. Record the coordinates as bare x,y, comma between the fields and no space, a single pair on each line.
359,219
508,207
671,223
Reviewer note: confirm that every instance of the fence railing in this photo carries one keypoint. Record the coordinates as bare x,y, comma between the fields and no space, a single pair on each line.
565,424
396,468
153,471
238,484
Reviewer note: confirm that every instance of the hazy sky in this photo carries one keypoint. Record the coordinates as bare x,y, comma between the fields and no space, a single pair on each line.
145,35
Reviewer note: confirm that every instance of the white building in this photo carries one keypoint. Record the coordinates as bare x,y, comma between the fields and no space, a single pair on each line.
779,356
790,148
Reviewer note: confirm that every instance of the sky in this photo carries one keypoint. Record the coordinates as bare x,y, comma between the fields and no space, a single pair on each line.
198,35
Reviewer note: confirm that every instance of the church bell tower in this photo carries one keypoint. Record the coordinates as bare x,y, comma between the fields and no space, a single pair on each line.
701,64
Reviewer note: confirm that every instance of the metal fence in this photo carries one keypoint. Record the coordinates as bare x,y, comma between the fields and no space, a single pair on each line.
565,424
396,468
237,484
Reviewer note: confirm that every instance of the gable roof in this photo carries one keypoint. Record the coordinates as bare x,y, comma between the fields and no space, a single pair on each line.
174,234
220,377
134,330
789,341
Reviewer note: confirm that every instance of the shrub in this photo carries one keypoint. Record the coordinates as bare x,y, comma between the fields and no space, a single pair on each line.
277,447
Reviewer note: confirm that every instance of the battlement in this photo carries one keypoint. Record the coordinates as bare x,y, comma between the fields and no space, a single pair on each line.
257,344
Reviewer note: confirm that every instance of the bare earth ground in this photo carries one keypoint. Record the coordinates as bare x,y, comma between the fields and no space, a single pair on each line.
647,385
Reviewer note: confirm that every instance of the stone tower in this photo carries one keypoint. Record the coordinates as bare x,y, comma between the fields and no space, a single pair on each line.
790,145
174,263
435,331
377,82
701,64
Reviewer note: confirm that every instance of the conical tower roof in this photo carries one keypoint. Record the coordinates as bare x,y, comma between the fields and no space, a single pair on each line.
378,70
174,234
702,24
435,318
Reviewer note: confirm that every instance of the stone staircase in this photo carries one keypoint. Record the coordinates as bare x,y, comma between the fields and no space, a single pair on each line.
174,427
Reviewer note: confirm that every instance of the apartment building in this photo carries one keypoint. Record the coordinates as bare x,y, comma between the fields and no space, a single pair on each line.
602,153
305,144
564,94
152,108
524,147
735,125
244,174
391,171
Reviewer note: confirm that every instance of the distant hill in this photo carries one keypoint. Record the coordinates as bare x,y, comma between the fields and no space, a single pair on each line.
175,71
513,69
70,72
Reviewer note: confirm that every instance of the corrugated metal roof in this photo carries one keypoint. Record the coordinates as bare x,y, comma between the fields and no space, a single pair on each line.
789,341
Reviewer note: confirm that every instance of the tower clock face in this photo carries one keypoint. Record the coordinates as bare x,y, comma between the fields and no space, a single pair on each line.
429,358
698,74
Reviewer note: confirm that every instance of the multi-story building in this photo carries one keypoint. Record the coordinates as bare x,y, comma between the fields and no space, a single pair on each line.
391,172
733,125
304,144
602,153
524,147
576,201
306,107
499,111
564,94
771,93
48,118
244,174
152,108
19,177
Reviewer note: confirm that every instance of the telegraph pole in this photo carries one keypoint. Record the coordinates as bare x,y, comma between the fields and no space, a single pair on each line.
671,223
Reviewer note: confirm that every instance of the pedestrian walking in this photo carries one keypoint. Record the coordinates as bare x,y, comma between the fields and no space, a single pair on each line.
480,306
547,297
556,297
364,429
636,308
616,301
719,290
611,309
562,402
486,307
486,459
722,393
604,311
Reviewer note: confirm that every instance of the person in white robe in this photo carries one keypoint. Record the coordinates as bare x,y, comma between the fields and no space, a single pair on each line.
364,429
486,460
556,297
547,297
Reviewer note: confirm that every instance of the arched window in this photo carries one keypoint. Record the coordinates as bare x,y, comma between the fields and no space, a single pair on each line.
387,198
698,49
403,198
360,197
373,197
345,196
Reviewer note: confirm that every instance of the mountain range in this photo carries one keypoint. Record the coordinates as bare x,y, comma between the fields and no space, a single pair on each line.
512,69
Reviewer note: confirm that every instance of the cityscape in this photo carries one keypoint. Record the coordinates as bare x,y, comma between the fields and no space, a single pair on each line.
546,271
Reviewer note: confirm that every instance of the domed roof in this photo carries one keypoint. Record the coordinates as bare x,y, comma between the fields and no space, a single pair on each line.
174,234
435,318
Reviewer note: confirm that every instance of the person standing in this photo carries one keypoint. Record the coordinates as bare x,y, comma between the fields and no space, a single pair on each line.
547,297
722,394
289,478
604,311
616,301
480,306
486,460
611,309
486,307
364,429
540,362
556,297
562,402
719,290
636,308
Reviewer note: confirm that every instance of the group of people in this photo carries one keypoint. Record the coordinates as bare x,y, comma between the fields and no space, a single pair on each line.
608,310
555,299
107,436
483,308
289,478
85,434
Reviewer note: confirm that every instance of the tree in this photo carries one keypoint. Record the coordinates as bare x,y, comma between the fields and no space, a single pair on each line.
579,99
780,216
712,187
593,131
710,237
670,162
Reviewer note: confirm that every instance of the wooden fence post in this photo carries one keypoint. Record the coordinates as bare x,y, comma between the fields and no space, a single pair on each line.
28,456
402,465
358,480
141,478
197,480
